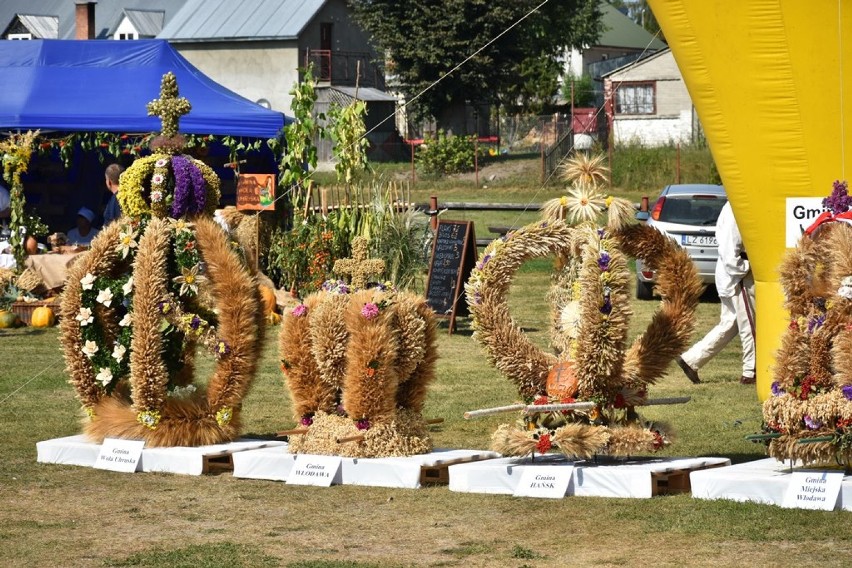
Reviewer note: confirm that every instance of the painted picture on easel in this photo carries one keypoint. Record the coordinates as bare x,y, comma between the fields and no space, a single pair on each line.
256,192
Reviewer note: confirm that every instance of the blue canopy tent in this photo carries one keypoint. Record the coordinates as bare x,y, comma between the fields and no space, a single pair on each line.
72,85
67,86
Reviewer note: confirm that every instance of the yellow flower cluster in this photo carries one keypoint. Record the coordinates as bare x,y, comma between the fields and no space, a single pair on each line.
149,418
132,187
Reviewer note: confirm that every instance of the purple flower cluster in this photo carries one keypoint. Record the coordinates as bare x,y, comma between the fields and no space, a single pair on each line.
839,200
816,323
195,322
847,391
189,187
603,261
299,310
362,424
481,264
307,420
812,423
777,390
336,286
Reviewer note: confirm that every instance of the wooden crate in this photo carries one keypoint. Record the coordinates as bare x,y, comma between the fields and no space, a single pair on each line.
218,463
24,310
676,481
439,473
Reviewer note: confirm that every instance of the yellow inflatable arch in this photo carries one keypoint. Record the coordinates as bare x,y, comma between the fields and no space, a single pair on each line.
771,81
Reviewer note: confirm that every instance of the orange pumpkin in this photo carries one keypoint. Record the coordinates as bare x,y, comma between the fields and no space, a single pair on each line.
42,317
561,380
267,296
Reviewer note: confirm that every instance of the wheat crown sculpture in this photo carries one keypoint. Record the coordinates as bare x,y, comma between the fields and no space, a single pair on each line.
156,285
357,359
809,415
583,400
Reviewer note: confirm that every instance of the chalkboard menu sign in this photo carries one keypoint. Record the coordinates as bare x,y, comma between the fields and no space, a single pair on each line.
453,257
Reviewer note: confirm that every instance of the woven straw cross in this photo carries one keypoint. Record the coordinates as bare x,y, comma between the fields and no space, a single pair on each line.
359,267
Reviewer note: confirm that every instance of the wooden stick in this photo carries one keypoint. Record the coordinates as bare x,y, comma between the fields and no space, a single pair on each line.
538,408
496,410
354,438
293,432
671,400
759,437
434,420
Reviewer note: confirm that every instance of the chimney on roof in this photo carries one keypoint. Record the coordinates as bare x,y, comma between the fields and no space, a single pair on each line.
84,19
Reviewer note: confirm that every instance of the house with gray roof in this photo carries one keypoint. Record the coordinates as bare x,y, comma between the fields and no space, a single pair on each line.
256,48
647,103
622,39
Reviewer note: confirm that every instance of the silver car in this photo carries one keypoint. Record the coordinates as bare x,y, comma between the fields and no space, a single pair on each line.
687,213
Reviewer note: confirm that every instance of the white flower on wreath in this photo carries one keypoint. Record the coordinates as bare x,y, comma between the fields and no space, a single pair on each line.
161,163
104,376
569,319
182,392
125,321
105,297
180,226
128,287
85,317
189,280
126,241
156,196
90,348
118,352
157,179
88,281
845,290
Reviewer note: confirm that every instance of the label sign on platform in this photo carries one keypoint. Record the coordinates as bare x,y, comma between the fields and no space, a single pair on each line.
548,481
813,490
120,455
315,470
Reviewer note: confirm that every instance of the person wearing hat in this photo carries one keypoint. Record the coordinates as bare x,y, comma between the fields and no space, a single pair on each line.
84,232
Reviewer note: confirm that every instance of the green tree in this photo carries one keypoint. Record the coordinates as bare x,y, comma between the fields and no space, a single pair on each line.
427,39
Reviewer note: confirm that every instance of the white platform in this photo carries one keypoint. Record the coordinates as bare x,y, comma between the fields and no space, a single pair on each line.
76,450
761,481
636,478
275,464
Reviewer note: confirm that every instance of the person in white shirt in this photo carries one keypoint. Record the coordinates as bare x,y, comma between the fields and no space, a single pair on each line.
84,232
735,286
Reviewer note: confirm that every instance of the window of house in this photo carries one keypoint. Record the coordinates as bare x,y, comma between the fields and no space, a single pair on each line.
126,36
20,36
635,98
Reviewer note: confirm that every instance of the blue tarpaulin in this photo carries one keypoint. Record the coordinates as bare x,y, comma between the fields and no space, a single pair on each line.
100,85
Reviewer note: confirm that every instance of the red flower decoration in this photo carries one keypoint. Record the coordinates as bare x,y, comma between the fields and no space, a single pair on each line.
619,401
794,325
543,445
370,372
541,399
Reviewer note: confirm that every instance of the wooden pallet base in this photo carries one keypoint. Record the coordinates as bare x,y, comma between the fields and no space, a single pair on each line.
439,473
676,481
